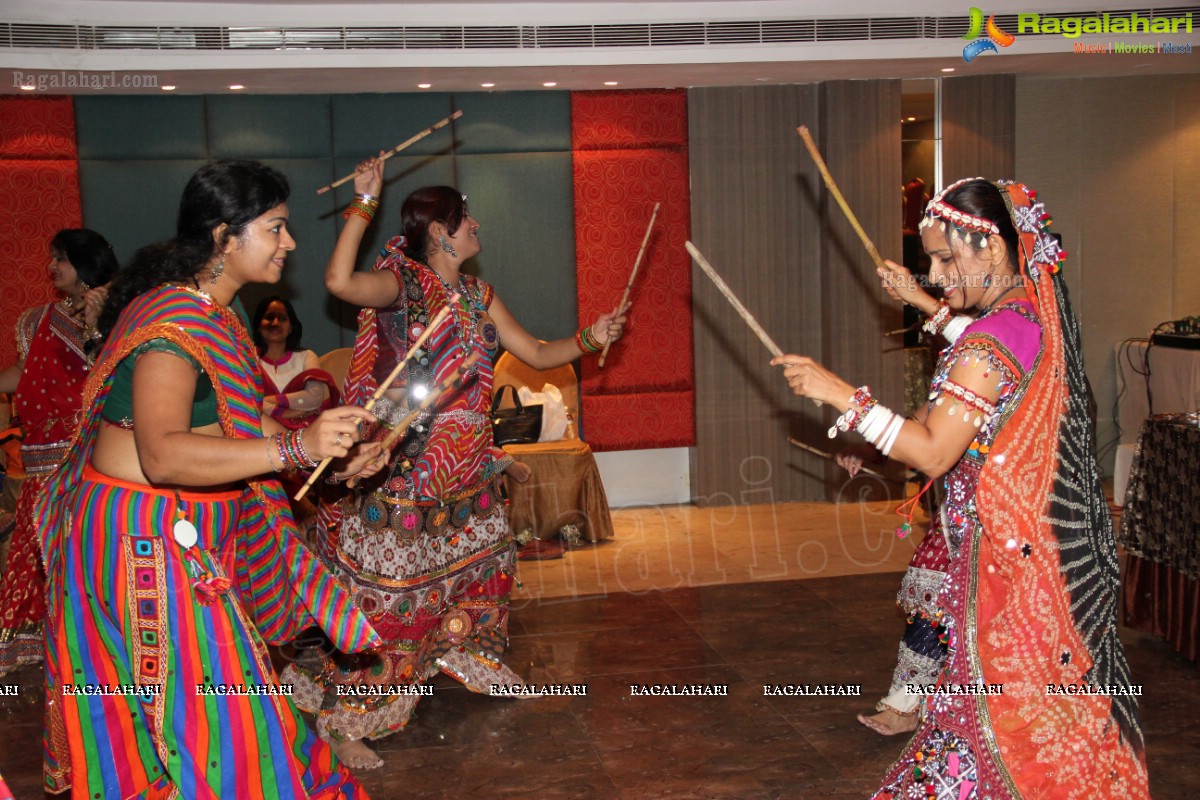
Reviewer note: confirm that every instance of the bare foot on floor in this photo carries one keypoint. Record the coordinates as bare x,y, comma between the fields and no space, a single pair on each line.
357,755
889,723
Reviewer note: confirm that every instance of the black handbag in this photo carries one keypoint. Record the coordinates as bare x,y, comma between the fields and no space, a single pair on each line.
521,424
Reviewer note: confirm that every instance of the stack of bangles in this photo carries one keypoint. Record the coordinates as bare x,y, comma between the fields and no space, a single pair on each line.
943,322
878,425
289,447
586,340
363,205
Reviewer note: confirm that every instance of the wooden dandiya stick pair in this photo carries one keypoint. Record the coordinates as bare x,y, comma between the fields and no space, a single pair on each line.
633,274
403,145
425,334
398,432
742,311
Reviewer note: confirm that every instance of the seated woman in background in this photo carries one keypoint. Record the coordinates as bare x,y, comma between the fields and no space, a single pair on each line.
295,389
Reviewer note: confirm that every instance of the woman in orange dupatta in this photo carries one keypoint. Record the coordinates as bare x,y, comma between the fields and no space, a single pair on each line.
1035,700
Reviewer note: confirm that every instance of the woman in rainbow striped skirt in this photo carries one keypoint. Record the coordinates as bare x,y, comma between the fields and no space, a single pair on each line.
171,553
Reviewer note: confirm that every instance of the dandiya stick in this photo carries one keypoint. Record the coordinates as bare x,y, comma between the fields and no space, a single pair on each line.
742,311
629,284
396,433
425,334
405,144
837,195
829,457
737,304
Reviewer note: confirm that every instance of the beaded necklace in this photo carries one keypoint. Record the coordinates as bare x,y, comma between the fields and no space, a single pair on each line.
467,328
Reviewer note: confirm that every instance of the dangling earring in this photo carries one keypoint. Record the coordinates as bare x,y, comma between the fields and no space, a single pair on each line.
987,281
217,269
449,248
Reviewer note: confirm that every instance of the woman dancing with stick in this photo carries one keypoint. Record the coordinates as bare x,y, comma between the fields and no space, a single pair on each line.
425,545
171,554
1029,602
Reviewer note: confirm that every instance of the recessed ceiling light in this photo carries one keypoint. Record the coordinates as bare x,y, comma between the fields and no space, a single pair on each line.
610,83
168,88
947,69
487,85
424,85
236,86
910,119
549,84
761,80
28,87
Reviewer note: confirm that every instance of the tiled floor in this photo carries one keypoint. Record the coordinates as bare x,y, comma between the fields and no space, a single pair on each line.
610,744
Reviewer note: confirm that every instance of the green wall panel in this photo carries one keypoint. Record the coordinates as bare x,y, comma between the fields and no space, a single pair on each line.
525,207
133,203
140,127
364,124
514,122
269,126
510,153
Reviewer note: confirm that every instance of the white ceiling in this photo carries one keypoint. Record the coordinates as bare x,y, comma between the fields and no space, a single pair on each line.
294,71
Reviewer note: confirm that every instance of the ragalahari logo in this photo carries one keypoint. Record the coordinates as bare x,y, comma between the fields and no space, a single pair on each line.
987,43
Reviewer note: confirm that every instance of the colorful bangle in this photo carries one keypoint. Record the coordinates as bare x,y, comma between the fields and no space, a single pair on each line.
585,342
363,205
861,403
934,325
290,449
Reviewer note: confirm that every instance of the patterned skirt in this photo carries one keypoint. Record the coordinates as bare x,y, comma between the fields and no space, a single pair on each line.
922,652
23,589
166,686
434,578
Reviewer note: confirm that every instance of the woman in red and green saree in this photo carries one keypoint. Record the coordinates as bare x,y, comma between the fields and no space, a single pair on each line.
171,554
47,385
425,545
1035,698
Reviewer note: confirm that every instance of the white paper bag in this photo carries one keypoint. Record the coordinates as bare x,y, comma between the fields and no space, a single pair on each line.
554,412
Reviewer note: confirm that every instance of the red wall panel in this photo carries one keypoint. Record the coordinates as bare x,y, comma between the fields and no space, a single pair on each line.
630,151
39,195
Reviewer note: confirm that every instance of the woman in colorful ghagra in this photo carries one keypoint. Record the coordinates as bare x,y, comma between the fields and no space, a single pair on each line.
425,545
171,554
1029,600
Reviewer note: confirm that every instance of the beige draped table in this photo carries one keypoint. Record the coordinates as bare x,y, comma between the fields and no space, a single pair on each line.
564,489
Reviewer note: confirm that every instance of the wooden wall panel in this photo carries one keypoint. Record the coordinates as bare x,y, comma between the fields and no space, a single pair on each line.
859,137
978,127
754,215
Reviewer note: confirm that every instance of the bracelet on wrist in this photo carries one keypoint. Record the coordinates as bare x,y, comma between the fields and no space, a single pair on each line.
937,321
586,342
363,206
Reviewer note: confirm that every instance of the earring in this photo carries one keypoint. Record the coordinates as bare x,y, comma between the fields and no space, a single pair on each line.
217,269
987,281
449,248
